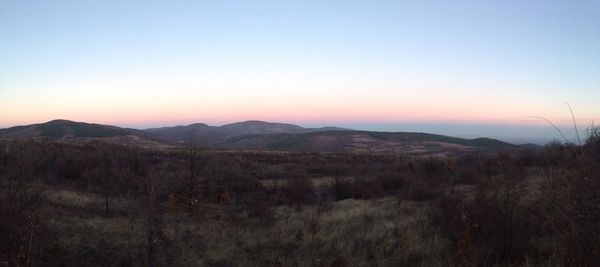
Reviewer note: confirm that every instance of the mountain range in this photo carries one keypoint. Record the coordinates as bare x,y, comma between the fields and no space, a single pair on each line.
259,135
204,134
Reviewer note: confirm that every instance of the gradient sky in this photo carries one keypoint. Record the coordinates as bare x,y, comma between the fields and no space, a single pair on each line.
466,68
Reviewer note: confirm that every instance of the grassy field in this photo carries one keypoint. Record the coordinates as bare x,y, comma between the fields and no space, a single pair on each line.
381,232
71,205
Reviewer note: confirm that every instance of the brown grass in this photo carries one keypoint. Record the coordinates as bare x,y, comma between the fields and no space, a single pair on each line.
380,232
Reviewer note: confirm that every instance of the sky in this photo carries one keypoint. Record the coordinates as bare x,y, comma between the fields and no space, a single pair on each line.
464,68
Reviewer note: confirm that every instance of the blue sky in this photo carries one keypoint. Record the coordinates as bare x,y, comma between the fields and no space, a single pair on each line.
394,65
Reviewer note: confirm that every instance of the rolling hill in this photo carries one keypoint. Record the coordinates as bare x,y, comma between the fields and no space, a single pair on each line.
364,141
217,135
259,135
67,130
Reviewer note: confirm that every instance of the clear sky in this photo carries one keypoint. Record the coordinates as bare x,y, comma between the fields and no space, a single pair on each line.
467,68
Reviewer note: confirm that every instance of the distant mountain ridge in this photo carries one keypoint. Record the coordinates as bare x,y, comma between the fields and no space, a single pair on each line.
204,134
81,131
363,141
65,129
260,135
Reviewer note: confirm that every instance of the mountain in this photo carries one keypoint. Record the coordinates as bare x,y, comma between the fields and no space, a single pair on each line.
259,127
81,131
182,133
260,135
364,141
64,129
213,135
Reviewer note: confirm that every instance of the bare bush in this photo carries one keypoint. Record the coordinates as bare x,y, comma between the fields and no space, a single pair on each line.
493,226
22,230
571,206
153,189
299,189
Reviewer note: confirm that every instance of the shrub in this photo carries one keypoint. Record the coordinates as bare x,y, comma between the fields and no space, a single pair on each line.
420,191
341,188
298,189
571,207
366,188
430,166
493,226
23,232
393,182
592,143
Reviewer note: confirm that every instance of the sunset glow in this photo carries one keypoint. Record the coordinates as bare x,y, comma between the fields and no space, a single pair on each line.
147,64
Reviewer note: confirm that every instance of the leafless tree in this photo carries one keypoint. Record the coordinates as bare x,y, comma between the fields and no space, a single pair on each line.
109,169
154,186
21,232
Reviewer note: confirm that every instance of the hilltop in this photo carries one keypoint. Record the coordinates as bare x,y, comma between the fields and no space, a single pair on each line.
259,135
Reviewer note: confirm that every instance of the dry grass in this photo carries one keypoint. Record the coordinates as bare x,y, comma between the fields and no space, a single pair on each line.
352,232
85,200
322,181
379,232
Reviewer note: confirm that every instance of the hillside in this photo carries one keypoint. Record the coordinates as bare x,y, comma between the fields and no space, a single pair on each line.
259,135
64,129
67,130
217,135
364,142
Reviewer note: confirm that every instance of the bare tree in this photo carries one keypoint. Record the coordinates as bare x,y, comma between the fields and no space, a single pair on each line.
192,180
21,232
153,187
110,170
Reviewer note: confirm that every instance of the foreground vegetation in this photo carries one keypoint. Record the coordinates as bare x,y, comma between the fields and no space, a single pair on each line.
103,205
